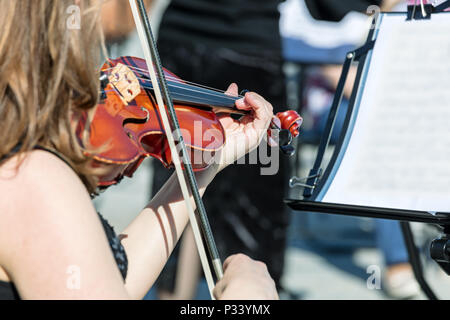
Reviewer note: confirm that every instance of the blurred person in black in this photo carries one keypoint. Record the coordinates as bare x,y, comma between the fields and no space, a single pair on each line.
210,42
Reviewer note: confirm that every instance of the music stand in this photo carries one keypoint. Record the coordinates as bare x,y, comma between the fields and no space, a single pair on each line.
320,179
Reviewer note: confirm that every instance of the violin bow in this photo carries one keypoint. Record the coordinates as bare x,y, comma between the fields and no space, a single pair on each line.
172,129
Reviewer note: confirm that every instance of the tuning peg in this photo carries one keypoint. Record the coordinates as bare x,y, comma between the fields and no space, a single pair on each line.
288,150
284,137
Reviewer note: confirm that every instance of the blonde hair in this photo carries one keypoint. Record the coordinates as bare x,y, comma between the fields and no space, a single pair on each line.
48,77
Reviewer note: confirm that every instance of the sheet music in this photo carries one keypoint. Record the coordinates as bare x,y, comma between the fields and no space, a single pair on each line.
399,152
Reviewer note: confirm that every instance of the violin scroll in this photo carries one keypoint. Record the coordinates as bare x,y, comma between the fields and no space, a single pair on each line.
286,126
290,120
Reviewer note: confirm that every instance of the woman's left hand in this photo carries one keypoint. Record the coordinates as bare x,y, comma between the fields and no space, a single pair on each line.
245,134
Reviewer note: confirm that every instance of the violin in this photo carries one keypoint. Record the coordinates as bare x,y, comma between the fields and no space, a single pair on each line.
127,120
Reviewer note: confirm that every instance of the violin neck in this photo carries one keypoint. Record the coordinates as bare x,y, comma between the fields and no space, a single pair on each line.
203,97
182,93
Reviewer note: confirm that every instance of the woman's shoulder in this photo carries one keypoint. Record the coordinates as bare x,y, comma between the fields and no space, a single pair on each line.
32,186
35,171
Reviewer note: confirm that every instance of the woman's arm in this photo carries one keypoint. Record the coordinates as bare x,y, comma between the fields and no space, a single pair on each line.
153,234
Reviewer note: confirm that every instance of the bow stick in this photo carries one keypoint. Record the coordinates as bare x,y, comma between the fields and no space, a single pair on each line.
160,90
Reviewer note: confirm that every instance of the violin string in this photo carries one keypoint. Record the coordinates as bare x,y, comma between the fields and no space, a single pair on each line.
220,93
189,88
179,94
181,85
175,79
184,94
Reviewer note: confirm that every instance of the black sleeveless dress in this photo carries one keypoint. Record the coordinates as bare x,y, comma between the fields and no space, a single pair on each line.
8,290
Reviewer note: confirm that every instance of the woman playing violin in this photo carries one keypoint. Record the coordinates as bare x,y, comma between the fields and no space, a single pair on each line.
53,244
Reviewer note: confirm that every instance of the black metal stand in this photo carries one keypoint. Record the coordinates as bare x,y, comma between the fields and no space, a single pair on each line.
414,259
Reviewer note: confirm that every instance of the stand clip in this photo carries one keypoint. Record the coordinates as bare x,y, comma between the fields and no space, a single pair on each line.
298,182
420,11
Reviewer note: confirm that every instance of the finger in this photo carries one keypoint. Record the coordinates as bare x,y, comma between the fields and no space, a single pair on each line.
264,101
225,119
238,260
262,110
242,104
221,284
227,261
219,288
228,123
232,90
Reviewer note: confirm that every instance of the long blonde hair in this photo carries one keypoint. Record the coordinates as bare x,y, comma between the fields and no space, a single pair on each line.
48,76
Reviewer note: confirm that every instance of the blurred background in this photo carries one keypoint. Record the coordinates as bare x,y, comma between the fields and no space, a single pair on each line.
291,53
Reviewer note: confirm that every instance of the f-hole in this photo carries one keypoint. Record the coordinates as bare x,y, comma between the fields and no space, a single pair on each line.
137,120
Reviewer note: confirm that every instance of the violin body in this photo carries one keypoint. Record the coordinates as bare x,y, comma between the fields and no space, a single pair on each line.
126,126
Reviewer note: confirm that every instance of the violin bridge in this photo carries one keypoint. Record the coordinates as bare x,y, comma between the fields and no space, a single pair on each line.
125,82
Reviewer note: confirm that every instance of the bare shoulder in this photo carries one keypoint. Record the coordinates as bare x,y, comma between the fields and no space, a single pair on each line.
32,166
37,176
32,189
